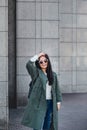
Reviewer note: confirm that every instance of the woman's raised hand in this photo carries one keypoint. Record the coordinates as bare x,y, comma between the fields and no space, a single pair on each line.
41,53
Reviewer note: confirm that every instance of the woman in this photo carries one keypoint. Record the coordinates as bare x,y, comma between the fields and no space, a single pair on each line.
45,97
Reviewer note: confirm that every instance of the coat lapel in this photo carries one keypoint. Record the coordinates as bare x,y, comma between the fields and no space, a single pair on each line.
43,78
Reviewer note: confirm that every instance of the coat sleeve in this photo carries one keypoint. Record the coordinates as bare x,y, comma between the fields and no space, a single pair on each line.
58,92
31,67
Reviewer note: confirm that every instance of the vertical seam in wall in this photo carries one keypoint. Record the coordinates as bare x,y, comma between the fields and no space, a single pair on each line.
58,38
76,43
72,57
35,26
15,53
75,48
41,25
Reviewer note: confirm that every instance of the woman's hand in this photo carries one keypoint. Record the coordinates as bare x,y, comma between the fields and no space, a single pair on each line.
40,54
58,105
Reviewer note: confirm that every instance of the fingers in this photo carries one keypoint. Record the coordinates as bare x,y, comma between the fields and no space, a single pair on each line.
58,106
40,54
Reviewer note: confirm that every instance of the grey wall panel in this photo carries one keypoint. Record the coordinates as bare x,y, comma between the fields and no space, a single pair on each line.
57,27
4,64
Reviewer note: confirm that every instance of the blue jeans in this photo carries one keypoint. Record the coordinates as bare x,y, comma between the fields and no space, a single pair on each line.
48,117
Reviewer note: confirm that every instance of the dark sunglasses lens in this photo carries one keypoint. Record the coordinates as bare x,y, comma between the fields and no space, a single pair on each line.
45,61
41,62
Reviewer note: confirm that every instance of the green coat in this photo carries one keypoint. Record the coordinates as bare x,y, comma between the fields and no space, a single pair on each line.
36,108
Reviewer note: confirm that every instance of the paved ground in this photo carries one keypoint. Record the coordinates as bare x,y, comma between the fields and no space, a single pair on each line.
72,116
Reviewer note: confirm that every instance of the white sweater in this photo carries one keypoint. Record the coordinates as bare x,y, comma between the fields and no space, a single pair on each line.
48,91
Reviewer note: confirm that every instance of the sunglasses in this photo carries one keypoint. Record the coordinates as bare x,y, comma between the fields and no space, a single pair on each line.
44,61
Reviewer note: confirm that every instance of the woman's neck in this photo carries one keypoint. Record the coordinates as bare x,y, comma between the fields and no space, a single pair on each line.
44,70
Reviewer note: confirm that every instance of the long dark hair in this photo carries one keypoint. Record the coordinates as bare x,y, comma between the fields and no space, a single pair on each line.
48,70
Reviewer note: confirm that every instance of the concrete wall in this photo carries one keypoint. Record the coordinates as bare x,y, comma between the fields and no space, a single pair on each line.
3,64
59,28
73,54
